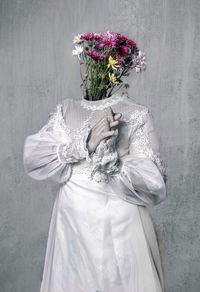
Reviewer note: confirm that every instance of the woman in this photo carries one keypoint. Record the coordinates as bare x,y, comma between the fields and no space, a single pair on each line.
105,156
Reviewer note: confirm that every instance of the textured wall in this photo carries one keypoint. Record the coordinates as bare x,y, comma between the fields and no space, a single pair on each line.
37,71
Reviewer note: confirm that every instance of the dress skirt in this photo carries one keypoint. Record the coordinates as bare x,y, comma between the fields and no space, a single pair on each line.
99,243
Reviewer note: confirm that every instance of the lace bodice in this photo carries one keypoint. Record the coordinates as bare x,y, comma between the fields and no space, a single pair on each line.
62,141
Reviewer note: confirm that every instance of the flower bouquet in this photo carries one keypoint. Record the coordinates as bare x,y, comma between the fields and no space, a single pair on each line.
107,57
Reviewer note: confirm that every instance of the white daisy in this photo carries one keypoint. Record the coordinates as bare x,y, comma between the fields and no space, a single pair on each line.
77,39
77,51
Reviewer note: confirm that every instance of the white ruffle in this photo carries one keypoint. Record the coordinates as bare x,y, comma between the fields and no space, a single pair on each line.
105,160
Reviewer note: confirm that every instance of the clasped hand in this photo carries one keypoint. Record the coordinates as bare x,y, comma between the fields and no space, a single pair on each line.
103,129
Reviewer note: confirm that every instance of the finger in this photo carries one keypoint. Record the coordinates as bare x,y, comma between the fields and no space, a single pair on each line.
113,124
106,134
117,116
102,128
108,110
109,113
100,122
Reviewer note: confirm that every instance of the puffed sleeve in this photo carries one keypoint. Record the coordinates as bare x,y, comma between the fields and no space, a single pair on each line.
140,176
50,152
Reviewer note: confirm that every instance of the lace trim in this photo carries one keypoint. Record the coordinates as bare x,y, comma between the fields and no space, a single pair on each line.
74,150
86,170
137,117
101,104
56,123
142,143
71,149
105,160
142,147
65,153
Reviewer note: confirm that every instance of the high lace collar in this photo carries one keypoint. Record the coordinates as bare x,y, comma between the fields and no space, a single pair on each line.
103,103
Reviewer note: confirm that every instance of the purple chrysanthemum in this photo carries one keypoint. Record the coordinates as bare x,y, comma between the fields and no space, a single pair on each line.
108,39
95,55
87,36
131,44
91,36
121,38
122,51
97,36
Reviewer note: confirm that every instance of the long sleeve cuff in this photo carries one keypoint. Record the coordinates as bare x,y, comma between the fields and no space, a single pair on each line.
49,153
76,149
139,182
105,160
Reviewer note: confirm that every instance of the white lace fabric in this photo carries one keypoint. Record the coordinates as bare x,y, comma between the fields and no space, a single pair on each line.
129,161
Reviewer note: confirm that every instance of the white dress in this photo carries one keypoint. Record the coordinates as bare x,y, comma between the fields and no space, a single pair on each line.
101,237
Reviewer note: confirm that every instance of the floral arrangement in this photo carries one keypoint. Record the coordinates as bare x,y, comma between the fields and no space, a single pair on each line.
107,57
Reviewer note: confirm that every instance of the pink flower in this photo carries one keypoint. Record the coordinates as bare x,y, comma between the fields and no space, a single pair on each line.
108,39
123,50
87,36
91,36
97,36
121,38
131,44
109,42
108,34
95,55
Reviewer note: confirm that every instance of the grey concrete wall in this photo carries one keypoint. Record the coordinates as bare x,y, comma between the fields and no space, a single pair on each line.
37,71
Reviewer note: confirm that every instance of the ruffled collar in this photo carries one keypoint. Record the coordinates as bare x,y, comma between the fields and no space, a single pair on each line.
103,103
